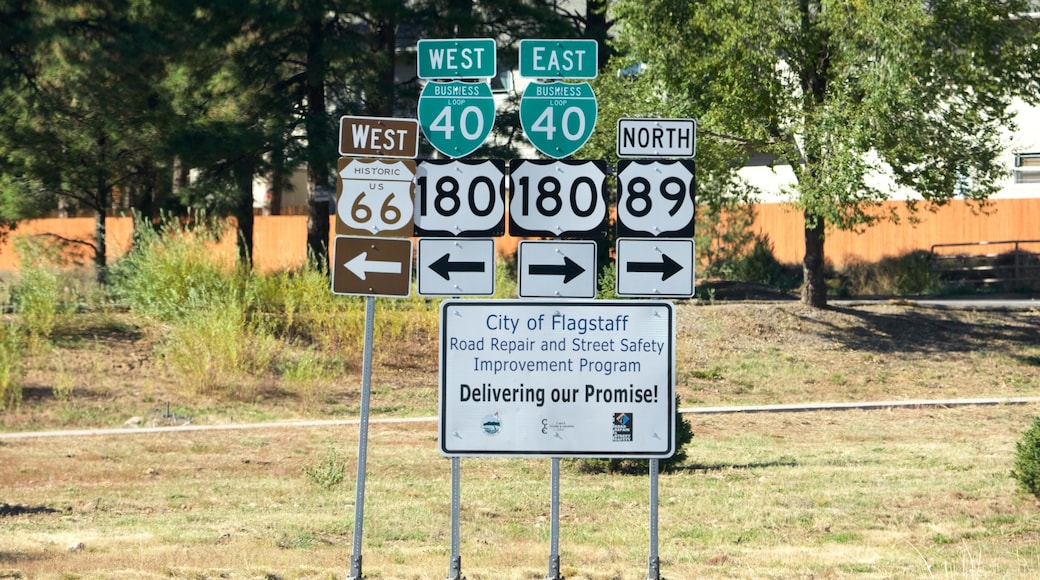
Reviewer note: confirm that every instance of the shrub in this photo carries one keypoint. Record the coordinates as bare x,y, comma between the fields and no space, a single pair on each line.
11,350
607,282
758,264
506,277
908,274
1027,460
214,350
683,436
37,296
172,269
328,473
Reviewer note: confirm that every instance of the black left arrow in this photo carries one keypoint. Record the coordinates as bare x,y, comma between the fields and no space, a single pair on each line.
667,267
569,269
444,266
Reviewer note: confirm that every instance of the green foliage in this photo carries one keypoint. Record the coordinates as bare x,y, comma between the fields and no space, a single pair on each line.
298,306
171,270
683,436
213,344
329,472
607,282
214,351
906,275
506,277
1027,460
841,92
38,295
12,347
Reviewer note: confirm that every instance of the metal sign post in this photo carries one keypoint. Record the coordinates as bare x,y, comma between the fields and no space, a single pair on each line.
554,522
366,391
653,571
455,566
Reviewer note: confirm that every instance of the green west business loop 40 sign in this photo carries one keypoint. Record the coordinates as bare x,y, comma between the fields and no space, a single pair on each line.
456,116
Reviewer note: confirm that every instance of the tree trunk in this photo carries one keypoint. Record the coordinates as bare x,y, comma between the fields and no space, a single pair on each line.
384,43
276,183
244,212
598,27
100,246
318,140
814,287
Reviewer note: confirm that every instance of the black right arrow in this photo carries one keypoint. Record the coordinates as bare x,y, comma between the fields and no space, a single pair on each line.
667,267
569,270
444,266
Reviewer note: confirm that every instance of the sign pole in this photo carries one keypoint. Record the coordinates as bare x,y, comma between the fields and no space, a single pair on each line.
366,391
654,567
554,523
455,566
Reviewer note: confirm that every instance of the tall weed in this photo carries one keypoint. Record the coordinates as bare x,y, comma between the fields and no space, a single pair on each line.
299,307
909,274
214,351
172,269
37,296
506,277
11,353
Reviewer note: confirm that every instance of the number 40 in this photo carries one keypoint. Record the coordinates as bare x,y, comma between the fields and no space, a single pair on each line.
469,115
545,123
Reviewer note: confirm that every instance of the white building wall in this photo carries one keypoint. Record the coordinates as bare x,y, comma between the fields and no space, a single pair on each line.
771,182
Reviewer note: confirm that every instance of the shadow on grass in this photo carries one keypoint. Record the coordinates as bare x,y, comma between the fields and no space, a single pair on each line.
931,331
702,468
8,510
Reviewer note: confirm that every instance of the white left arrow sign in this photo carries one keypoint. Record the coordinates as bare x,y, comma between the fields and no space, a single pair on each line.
360,265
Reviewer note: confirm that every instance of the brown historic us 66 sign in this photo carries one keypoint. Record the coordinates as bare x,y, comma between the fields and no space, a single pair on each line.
378,137
375,197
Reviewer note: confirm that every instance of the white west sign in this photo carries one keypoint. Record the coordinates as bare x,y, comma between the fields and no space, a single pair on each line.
579,379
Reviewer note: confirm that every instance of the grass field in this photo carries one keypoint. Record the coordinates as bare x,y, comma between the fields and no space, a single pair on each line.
893,493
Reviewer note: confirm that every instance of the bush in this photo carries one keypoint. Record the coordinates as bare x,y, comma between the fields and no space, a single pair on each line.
37,297
171,270
329,472
909,274
683,436
213,350
1027,460
11,350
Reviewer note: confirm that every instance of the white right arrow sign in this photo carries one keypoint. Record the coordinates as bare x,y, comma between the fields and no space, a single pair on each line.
655,267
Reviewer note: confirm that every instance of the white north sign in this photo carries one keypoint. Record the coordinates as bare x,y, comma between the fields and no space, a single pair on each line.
656,138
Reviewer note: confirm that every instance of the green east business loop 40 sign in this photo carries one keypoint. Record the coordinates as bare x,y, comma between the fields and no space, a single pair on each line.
558,117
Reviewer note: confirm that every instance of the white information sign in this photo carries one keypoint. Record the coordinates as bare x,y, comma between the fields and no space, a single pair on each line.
562,198
656,198
374,197
590,379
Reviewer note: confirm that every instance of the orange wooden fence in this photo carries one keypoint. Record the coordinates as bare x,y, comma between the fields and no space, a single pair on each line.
280,241
1005,219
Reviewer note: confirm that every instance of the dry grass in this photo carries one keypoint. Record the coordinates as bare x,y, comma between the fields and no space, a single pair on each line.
903,493
875,494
